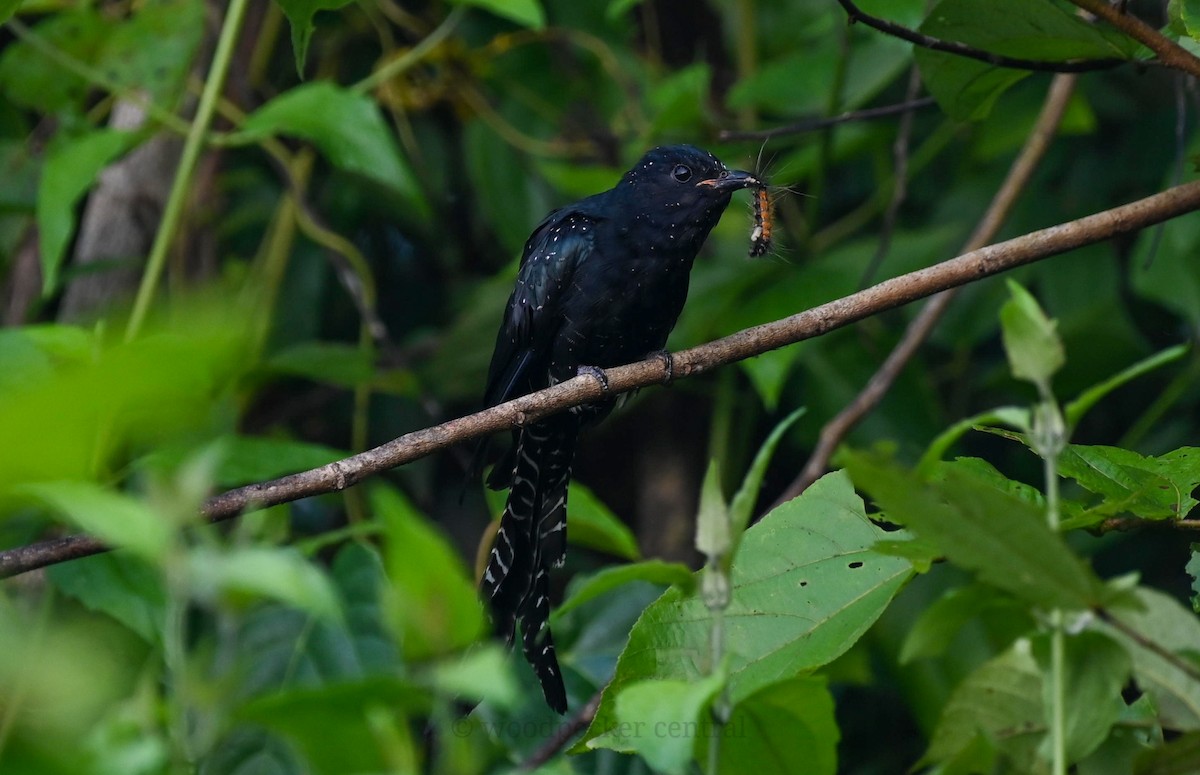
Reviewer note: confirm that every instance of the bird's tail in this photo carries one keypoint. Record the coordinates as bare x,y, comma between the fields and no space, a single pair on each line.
532,539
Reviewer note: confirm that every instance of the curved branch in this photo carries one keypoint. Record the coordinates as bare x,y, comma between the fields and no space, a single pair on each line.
856,14
744,344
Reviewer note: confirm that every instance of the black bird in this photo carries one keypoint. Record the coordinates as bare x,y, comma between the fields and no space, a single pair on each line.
601,284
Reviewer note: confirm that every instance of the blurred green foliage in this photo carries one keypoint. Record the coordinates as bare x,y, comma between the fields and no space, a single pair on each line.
348,245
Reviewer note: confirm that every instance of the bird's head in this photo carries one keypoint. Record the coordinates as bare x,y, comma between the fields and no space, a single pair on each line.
681,188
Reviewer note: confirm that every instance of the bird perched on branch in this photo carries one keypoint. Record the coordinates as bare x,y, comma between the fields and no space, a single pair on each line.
601,284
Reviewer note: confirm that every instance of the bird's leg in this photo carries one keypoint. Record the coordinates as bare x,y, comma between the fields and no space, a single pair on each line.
595,373
668,362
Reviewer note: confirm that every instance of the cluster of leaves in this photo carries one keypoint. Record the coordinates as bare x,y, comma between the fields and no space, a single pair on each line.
375,172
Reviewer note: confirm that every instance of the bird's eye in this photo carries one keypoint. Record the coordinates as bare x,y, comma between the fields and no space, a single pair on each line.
681,173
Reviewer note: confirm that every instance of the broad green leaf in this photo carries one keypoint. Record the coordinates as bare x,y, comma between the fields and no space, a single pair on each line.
1002,538
123,397
1028,29
347,713
32,80
1164,622
592,524
1188,12
742,505
786,728
300,15
70,170
934,630
1076,409
116,519
1000,702
806,586
347,128
1034,350
480,675
120,585
663,720
8,8
608,579
153,50
1179,756
1096,669
432,605
527,13
331,362
1148,487
252,573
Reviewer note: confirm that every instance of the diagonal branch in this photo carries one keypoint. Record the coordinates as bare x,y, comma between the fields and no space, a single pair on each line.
922,325
744,344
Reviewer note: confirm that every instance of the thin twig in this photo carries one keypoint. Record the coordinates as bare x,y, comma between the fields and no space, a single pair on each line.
899,184
564,734
922,325
856,14
814,124
747,343
1182,664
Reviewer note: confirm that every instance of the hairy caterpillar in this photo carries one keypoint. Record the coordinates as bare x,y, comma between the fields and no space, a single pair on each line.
760,235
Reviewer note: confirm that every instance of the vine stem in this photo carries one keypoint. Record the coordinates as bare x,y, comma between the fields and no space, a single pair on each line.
1051,440
187,166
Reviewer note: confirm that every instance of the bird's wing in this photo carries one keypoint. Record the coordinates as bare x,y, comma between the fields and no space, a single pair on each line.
557,246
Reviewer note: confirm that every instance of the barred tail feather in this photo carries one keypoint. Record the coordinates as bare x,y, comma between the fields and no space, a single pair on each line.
531,539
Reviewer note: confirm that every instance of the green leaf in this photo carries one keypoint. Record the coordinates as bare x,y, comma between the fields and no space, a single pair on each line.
349,714
934,630
153,49
30,79
1002,538
608,579
1180,756
481,675
8,8
300,14
432,605
69,172
786,728
1076,409
1096,669
281,574
806,586
527,13
1168,624
1002,703
1027,29
742,505
347,128
1148,487
119,585
114,518
1189,14
1034,350
594,525
661,720
331,362
1193,570
713,539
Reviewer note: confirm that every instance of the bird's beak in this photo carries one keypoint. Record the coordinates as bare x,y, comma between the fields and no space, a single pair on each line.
731,180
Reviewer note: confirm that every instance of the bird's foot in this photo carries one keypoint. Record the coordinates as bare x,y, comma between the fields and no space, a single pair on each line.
595,373
668,362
